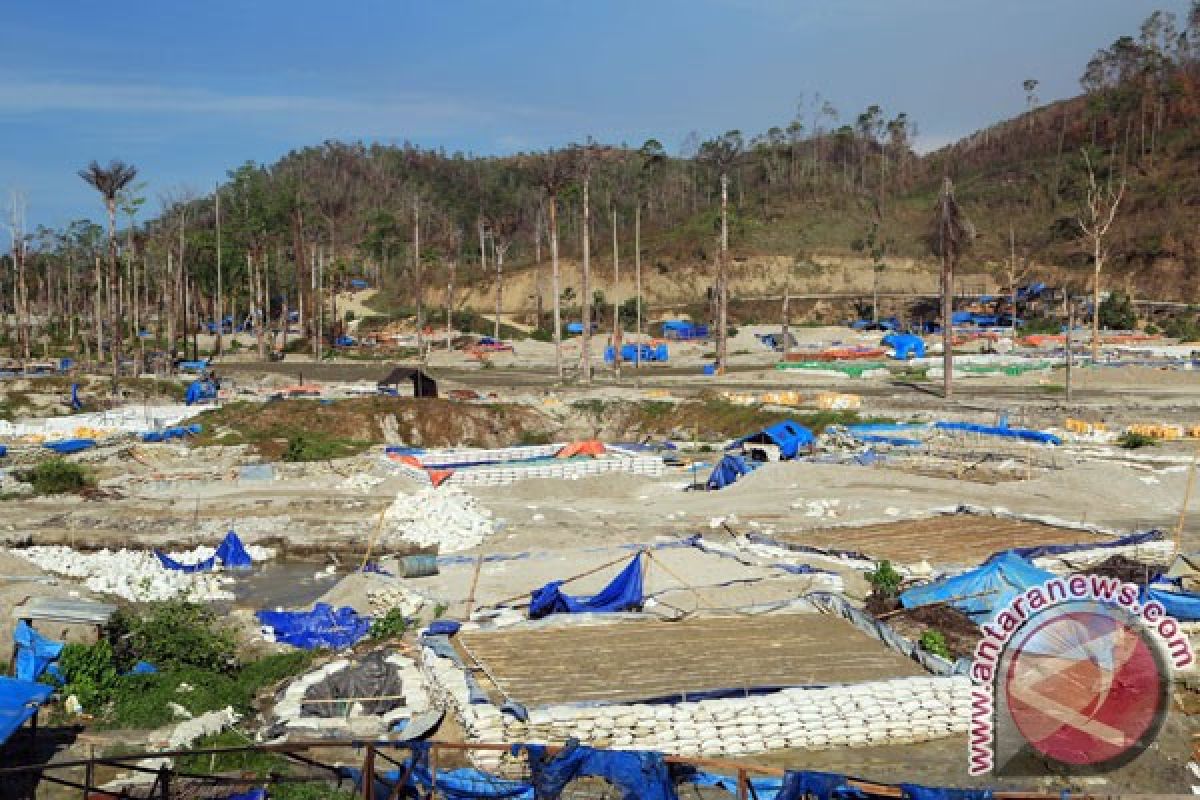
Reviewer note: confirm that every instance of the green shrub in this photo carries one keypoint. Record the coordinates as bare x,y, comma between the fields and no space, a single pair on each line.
884,580
1131,440
1117,312
391,625
542,335
308,448
57,476
932,641
90,673
174,634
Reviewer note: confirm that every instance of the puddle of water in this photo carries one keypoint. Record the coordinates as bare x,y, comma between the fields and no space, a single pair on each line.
282,583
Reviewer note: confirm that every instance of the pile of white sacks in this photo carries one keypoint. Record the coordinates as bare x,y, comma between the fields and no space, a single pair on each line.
899,711
137,575
447,517
386,598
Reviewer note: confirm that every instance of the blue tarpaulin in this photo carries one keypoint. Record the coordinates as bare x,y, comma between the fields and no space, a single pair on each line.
76,405
193,366
19,700
3,451
324,626
624,593
1038,551
200,390
789,436
68,446
358,283
727,471
636,775
231,554
982,591
905,345
253,794
1183,606
34,652
997,430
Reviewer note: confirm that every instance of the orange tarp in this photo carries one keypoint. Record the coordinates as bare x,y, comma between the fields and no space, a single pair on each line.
438,476
590,447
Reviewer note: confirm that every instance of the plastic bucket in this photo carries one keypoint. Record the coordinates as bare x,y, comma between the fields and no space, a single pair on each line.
418,566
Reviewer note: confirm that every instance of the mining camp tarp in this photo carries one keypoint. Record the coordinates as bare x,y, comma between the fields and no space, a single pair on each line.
789,436
34,652
624,593
68,446
1023,434
635,775
19,700
324,626
1183,606
727,471
905,345
1042,550
200,390
982,591
231,554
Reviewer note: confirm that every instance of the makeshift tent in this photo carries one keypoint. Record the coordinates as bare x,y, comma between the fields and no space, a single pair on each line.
589,447
19,700
344,341
324,626
200,390
789,436
358,283
624,593
635,775
727,471
68,446
35,653
3,451
905,345
681,329
76,404
423,385
982,591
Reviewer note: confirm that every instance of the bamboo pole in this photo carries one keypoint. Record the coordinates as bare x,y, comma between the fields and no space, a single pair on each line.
1187,499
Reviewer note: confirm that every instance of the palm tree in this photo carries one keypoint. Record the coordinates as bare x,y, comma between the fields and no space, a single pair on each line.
109,182
952,234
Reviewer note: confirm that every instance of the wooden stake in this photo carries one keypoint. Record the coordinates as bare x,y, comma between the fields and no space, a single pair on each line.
474,583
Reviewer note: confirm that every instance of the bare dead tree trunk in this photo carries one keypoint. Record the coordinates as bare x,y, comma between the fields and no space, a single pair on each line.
637,271
498,257
785,330
586,289
220,287
1095,219
616,299
555,280
420,288
723,281
450,305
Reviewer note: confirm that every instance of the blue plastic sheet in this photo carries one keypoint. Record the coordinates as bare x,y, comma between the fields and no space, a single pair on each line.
67,446
1038,551
624,593
1183,606
3,451
636,775
982,591
905,345
19,700
324,626
231,554
34,652
143,668
727,471
178,566
76,405
1023,434
200,390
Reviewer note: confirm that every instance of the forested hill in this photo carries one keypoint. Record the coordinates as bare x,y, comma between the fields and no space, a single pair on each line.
820,182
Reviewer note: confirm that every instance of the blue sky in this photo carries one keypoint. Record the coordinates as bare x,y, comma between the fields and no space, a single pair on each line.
186,90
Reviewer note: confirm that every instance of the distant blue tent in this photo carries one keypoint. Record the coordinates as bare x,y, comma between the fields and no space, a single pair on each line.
19,700
68,446
345,341
76,405
983,591
575,327
34,652
906,345
727,471
789,436
624,593
324,626
3,451
358,283
193,366
200,390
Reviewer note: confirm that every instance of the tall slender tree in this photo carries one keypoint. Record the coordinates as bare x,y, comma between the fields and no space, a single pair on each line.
109,181
722,153
1095,219
952,234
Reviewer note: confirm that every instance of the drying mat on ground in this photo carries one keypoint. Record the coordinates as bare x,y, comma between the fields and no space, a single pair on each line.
627,662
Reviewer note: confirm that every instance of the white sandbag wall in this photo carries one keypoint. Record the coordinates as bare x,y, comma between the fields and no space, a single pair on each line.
509,468
289,711
899,711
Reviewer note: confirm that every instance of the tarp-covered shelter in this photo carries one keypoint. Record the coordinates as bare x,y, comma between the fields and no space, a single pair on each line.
423,385
230,554
19,700
624,593
1183,606
905,345
789,436
200,390
727,471
983,591
34,652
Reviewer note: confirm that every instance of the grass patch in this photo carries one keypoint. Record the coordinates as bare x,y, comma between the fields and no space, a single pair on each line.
1132,440
713,417
58,476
